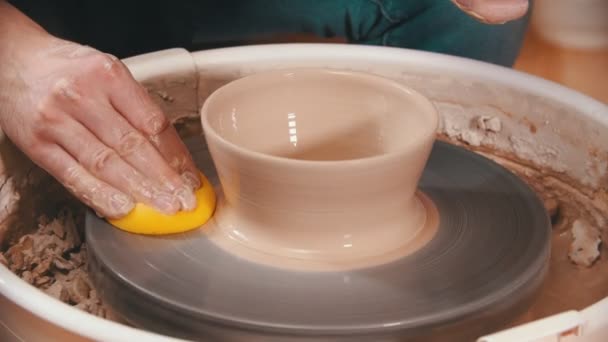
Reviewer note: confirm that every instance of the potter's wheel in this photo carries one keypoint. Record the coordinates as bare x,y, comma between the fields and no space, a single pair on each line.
486,261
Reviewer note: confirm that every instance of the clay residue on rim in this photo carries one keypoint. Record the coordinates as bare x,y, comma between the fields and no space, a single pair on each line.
575,280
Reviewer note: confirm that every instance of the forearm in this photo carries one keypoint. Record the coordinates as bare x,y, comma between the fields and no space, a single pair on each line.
17,31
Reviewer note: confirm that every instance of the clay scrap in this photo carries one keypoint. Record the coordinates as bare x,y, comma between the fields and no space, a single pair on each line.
53,258
584,249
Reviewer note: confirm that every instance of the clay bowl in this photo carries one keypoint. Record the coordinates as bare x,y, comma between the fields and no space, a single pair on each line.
320,165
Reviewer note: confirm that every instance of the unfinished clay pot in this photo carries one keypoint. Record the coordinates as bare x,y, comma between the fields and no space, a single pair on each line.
318,164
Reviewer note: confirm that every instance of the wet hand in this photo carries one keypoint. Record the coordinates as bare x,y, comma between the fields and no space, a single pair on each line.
494,11
79,114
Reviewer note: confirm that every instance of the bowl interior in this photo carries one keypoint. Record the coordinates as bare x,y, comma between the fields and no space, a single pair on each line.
320,115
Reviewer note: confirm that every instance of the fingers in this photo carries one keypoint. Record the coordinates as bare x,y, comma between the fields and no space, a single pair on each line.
173,149
135,149
494,11
132,101
104,163
115,132
99,133
106,200
142,113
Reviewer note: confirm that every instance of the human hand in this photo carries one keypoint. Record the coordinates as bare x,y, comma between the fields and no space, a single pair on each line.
79,114
494,11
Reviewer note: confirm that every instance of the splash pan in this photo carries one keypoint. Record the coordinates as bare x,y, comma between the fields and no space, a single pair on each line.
480,269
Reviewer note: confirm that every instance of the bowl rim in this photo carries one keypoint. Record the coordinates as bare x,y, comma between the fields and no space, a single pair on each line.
416,97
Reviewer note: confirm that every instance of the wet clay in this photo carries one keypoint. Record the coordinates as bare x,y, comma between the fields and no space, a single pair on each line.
578,272
53,258
576,210
332,179
339,261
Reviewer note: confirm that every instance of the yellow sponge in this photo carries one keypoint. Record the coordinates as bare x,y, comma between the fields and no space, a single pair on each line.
148,221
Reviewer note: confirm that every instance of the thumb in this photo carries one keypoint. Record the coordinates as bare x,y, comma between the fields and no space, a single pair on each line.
494,11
